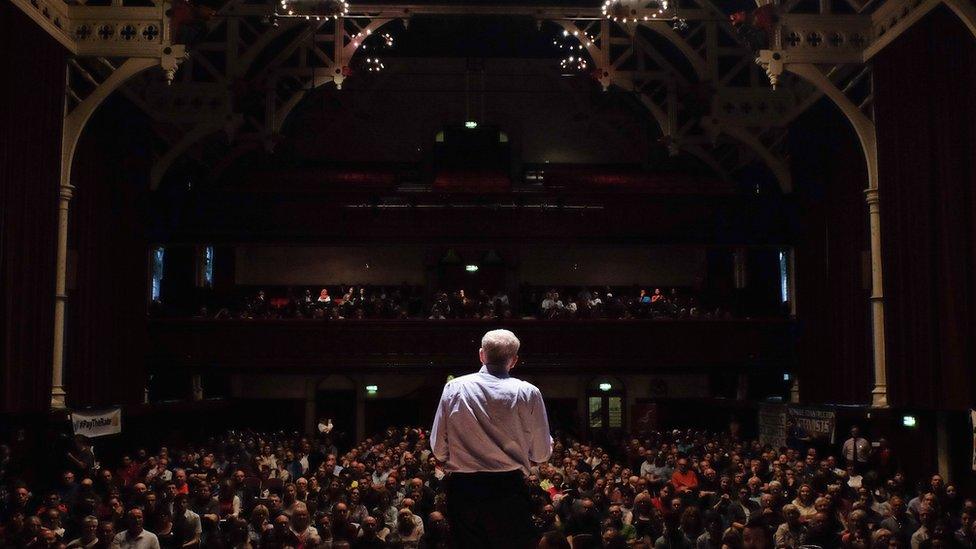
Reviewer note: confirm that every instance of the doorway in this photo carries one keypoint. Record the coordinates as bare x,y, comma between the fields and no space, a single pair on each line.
605,420
340,407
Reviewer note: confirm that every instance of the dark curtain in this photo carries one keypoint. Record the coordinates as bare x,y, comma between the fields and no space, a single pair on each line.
926,117
107,326
31,102
832,300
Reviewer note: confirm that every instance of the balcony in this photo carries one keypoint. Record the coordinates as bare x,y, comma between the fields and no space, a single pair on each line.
306,346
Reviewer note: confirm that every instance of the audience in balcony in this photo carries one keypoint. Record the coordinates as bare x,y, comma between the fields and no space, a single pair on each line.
615,305
651,489
409,302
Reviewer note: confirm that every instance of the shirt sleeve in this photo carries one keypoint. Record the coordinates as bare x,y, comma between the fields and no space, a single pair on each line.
438,433
541,447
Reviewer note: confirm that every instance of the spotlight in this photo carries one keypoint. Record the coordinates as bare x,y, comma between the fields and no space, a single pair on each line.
605,387
471,268
471,124
909,421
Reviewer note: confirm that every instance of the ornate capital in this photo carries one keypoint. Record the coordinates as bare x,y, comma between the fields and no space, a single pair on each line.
170,61
772,62
67,192
872,198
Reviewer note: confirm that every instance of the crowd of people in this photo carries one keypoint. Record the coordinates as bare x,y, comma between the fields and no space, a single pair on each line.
667,490
607,303
410,302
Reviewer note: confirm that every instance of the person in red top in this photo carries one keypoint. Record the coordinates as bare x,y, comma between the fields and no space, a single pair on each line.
683,478
179,480
663,498
128,473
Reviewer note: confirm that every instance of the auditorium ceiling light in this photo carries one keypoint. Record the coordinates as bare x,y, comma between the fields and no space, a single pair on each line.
573,45
573,64
374,64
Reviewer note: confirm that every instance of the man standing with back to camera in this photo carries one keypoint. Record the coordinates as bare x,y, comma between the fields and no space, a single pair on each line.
488,432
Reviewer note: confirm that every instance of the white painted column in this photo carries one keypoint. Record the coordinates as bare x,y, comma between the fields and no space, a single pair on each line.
879,395
868,136
740,268
196,382
60,299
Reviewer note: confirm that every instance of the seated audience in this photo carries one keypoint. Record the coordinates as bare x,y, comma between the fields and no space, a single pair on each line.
408,302
653,489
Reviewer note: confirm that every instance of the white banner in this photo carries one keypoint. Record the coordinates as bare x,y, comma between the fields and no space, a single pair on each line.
972,424
817,424
96,423
772,425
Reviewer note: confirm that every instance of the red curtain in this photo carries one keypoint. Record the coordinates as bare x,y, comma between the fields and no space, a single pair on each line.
107,320
926,119
833,327
31,102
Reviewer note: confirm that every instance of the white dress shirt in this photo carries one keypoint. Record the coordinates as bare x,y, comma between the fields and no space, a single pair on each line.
488,423
857,450
125,540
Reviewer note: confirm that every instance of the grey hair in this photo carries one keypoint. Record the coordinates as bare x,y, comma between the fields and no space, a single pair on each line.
499,346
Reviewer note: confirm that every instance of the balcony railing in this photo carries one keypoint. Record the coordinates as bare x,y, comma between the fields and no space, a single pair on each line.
417,345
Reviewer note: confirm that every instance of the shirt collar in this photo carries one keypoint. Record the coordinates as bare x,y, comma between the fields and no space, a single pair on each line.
484,370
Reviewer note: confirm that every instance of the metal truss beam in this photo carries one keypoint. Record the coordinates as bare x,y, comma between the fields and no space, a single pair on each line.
829,38
112,31
743,122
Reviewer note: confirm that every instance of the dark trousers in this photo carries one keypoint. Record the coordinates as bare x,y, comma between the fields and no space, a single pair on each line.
489,510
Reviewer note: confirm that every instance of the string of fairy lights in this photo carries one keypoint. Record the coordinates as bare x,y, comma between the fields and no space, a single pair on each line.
317,10
625,11
572,45
371,45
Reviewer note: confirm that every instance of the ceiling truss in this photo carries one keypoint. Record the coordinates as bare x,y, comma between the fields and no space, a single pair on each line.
245,75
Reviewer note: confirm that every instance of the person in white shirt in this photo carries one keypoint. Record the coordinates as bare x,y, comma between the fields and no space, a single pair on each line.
135,537
857,449
89,534
186,523
548,303
301,526
489,430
